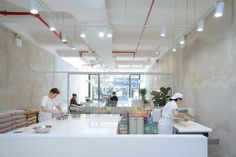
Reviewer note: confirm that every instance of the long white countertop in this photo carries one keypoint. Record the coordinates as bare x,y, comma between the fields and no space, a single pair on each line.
193,127
95,135
86,124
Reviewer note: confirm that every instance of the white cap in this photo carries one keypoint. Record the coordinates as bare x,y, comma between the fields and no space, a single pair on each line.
177,95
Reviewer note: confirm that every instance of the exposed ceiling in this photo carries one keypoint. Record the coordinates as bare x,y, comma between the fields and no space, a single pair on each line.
126,19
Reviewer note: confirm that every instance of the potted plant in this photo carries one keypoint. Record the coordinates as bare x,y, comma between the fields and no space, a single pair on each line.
143,92
161,96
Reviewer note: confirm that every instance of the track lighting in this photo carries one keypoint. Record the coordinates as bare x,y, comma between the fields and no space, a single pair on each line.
34,7
200,26
163,31
219,9
182,40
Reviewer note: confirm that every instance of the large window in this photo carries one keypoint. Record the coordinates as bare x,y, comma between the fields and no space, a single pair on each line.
99,86
126,86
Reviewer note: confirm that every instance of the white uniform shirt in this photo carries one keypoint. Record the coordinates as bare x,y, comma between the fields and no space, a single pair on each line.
47,102
167,110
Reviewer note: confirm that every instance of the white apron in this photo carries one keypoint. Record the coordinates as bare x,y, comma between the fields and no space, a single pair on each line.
165,126
43,116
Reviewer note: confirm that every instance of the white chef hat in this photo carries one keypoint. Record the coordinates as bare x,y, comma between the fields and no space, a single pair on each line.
177,95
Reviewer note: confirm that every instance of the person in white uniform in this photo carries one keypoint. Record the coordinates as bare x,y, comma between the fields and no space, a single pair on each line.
169,112
47,104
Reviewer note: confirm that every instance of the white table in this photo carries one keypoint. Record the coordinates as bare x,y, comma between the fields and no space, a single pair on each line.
195,128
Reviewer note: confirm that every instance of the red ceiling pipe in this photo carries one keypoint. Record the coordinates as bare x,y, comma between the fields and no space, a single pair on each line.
124,52
5,13
149,12
82,52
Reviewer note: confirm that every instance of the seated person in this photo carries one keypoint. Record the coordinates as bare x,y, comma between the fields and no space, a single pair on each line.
114,99
73,100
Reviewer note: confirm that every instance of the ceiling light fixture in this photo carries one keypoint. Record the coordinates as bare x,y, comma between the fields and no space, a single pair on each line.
82,34
63,34
51,26
73,47
33,7
174,48
182,40
101,34
163,31
219,9
109,33
200,26
157,52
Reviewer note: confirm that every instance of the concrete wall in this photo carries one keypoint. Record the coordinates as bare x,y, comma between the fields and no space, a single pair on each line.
205,72
21,83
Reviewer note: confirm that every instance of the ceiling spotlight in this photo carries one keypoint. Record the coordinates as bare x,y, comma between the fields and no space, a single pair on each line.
157,52
73,47
64,40
182,40
33,7
174,47
82,34
101,34
200,26
51,26
109,33
219,9
163,31
63,37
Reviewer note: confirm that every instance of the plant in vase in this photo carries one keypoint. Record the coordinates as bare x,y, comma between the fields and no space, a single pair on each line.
161,96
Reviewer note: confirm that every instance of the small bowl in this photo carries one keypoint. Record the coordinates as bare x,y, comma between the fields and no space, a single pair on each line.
43,129
62,117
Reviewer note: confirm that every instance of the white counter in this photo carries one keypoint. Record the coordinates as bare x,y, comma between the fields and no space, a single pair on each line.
96,124
192,128
95,136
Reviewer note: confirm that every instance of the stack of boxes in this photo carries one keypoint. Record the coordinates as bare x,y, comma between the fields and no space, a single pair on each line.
6,122
20,118
11,120
31,116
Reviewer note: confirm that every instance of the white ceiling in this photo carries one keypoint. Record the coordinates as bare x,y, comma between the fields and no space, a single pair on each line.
125,17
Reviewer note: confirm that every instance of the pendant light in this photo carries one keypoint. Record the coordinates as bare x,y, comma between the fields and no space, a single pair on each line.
219,9
163,31
82,34
182,40
34,7
200,26
174,47
52,26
